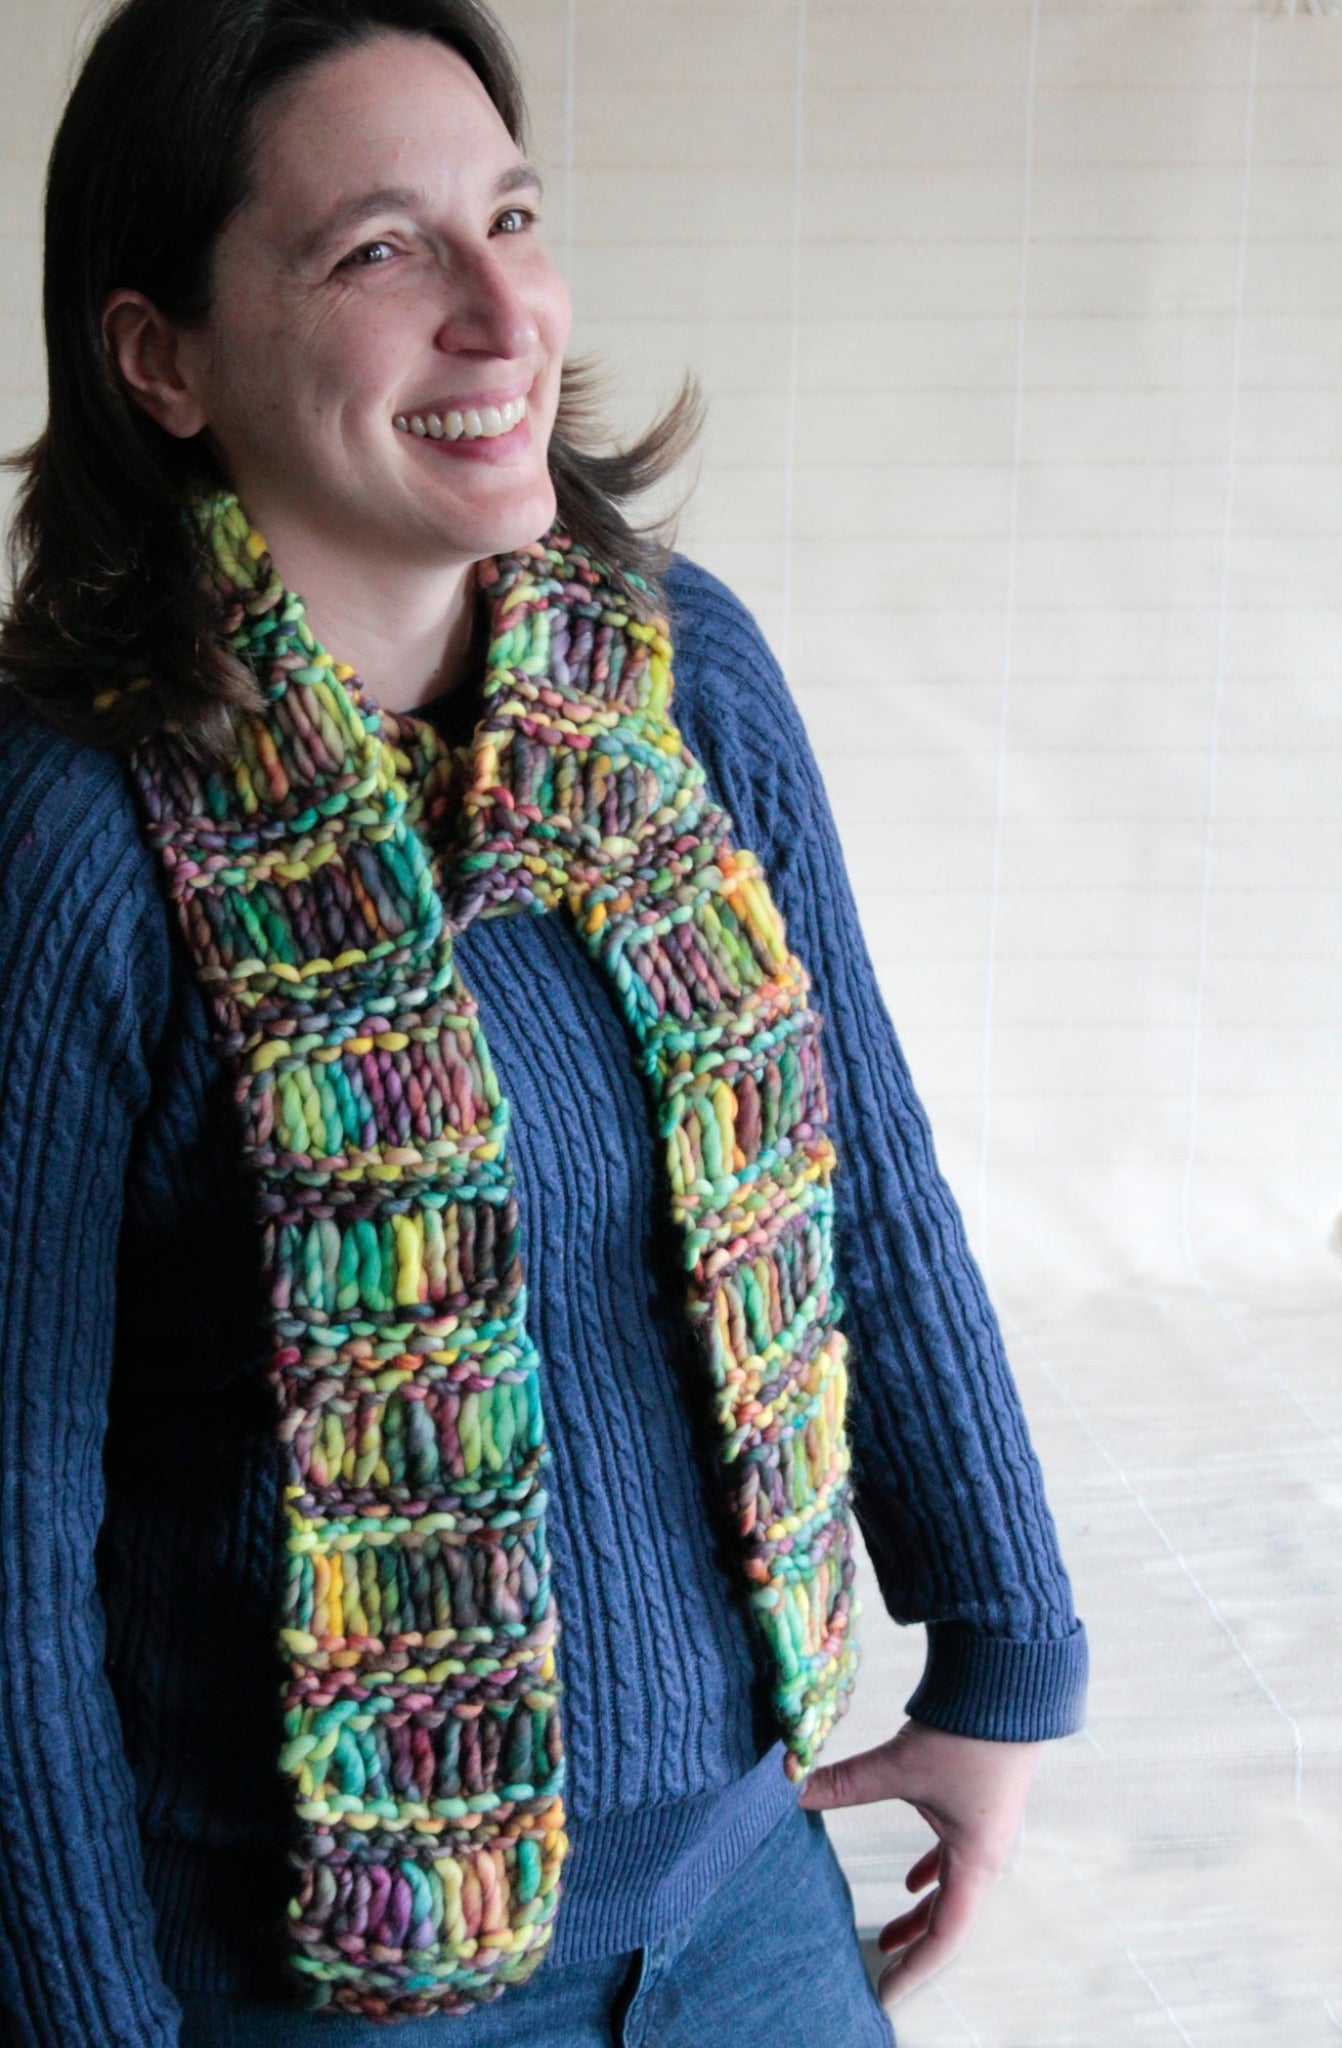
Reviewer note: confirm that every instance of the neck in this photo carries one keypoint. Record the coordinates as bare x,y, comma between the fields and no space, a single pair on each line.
407,630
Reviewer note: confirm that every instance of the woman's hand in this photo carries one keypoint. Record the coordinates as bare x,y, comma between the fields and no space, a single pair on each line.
972,1795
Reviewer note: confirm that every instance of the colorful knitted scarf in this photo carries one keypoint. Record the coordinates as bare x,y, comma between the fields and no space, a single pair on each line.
320,880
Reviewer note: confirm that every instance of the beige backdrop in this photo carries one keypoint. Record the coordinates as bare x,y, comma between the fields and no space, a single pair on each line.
1022,330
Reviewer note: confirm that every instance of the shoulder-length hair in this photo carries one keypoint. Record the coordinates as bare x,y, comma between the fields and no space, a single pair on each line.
110,633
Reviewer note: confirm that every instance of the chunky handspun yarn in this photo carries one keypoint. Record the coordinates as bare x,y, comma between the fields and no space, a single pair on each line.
319,880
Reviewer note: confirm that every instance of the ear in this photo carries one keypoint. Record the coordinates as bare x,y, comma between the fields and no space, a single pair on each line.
147,351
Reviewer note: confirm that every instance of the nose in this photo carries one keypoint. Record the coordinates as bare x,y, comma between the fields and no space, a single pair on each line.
485,311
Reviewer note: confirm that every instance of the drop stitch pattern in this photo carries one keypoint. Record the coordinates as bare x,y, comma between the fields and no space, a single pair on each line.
319,880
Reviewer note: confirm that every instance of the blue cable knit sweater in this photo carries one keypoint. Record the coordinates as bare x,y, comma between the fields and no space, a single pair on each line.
140,1809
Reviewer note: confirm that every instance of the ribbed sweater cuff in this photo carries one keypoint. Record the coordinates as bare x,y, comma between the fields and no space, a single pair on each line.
999,1690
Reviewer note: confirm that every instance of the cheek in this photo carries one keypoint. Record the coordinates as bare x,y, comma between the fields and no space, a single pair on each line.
332,348
348,347
267,383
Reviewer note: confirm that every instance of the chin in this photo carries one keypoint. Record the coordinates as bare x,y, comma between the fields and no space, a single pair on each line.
511,527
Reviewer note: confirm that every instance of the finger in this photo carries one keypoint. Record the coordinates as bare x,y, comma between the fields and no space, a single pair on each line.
907,1927
925,1869
954,1906
855,1781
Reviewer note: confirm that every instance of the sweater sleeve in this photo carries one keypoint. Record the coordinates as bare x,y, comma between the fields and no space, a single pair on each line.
84,967
948,1491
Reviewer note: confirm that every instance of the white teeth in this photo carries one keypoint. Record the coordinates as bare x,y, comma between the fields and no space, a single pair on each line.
482,424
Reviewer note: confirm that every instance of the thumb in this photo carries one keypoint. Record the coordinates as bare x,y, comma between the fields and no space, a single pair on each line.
871,1774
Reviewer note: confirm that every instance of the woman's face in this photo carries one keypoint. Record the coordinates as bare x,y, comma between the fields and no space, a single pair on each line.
386,266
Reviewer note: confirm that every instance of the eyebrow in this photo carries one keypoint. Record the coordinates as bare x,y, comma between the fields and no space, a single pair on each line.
517,178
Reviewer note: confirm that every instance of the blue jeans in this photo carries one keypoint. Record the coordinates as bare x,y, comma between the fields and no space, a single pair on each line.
771,1960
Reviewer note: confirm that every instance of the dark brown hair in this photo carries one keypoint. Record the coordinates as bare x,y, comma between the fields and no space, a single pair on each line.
153,154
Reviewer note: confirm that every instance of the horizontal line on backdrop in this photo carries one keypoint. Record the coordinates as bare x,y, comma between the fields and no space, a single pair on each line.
1062,463
1111,956
1038,750
1106,1092
969,820
870,608
1036,239
1042,463
1141,891
1069,88
1034,319
972,1026
874,608
1054,316
895,534
963,534
986,683
1200,390
1049,963
1230,160
955,1098
762,538
1127,1027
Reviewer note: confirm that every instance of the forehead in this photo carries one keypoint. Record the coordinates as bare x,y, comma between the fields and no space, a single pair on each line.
398,110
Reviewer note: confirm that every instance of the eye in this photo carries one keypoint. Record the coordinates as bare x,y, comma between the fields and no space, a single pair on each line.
356,258
515,221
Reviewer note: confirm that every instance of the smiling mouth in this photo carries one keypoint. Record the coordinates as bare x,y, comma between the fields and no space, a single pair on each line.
472,423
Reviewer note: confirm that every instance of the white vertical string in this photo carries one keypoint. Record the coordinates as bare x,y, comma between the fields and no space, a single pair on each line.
1158,1997
1213,768
1218,678
970,2032
570,90
1004,701
794,325
1157,1994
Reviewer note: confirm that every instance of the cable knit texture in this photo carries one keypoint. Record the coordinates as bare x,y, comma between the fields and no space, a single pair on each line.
144,1820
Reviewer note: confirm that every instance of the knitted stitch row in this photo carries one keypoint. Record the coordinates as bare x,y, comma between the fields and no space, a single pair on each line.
319,881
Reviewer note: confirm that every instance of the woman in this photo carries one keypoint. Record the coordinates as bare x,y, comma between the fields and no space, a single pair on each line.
439,1318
